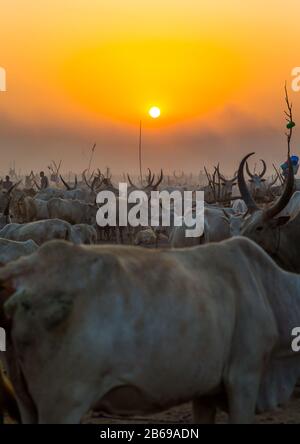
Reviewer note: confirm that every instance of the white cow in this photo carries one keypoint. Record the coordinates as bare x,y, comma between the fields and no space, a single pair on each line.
39,231
87,234
235,222
12,250
82,194
28,209
133,331
49,193
216,229
293,206
72,211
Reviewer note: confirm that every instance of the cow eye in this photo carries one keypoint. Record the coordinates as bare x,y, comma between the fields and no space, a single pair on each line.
259,228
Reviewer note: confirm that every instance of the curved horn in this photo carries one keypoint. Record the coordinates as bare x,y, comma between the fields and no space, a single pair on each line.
234,177
275,180
13,186
222,177
85,180
92,187
285,197
97,182
159,180
130,181
264,168
65,183
150,182
36,184
76,182
248,171
149,177
245,193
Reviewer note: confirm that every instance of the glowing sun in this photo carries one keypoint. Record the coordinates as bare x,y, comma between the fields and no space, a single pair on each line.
154,112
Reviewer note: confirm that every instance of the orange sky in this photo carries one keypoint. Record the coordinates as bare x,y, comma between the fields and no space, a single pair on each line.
88,70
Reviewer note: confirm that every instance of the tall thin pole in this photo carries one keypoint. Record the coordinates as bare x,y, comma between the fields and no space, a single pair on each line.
91,158
140,153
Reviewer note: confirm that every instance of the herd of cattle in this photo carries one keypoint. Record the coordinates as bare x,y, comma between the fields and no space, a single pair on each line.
93,324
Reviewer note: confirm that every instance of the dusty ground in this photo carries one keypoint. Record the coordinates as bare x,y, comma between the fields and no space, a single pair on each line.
182,415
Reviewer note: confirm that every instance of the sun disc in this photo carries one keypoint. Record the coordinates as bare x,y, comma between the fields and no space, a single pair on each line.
154,112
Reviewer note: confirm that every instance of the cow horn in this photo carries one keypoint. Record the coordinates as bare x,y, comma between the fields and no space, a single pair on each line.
248,171
13,186
36,184
150,179
222,177
285,197
149,175
159,180
234,177
264,169
98,181
245,193
85,179
130,181
75,184
65,183
274,180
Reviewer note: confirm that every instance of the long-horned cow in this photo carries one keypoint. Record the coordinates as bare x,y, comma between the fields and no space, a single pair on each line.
173,326
278,235
40,231
226,186
257,182
72,211
11,250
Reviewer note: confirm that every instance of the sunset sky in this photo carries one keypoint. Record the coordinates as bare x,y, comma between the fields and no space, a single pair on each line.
86,71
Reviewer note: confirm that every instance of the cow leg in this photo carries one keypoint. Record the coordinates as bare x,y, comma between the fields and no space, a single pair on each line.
67,405
129,235
28,416
67,411
243,376
242,389
204,411
57,417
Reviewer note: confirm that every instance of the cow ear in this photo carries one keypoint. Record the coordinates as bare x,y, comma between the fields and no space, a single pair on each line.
263,180
282,220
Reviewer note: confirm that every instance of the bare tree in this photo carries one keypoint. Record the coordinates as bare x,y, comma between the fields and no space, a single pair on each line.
289,118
